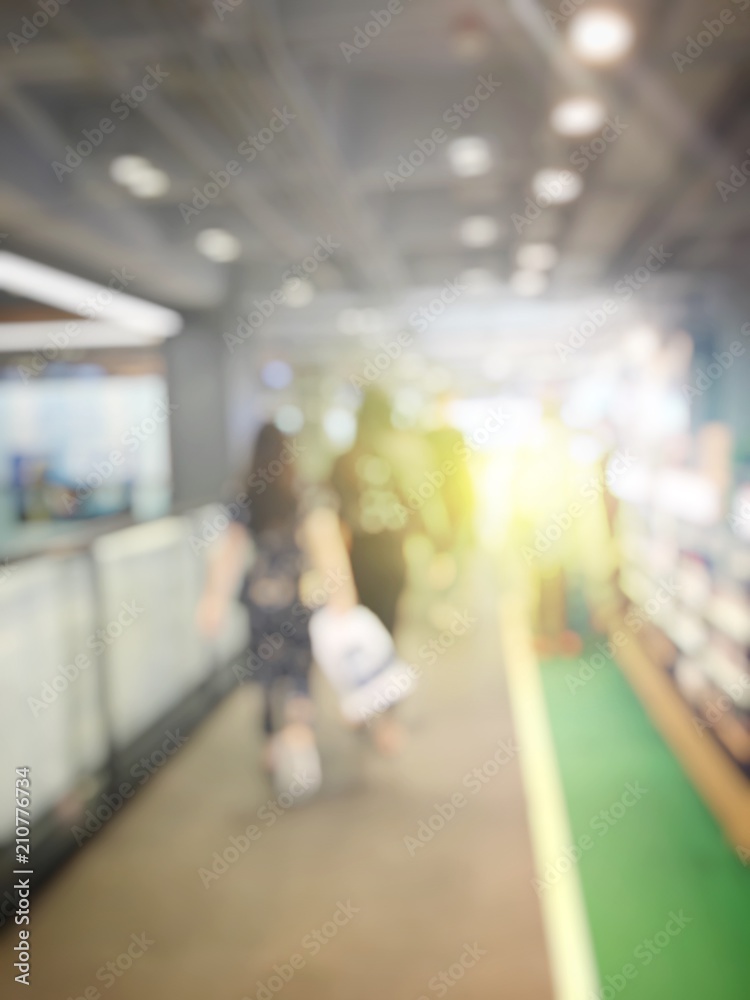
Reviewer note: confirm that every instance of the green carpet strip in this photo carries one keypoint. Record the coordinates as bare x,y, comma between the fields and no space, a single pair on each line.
667,898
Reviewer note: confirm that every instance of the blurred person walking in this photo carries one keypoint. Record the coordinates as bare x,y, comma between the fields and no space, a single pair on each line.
374,516
290,533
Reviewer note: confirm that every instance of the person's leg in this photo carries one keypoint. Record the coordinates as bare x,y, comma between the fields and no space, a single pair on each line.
379,575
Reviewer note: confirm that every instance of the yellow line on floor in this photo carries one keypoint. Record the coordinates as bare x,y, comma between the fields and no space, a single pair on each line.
571,952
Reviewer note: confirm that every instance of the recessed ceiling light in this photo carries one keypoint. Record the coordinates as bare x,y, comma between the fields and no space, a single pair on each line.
556,187
479,231
40,283
578,116
153,183
218,245
528,283
276,374
470,156
289,419
537,256
127,170
601,35
298,294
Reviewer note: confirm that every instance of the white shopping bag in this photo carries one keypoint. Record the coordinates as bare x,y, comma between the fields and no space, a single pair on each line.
356,653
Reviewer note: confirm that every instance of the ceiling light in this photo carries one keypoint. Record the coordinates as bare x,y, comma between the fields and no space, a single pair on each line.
528,283
153,183
276,374
537,256
298,293
578,116
128,170
601,35
289,419
76,295
218,245
479,231
556,187
470,156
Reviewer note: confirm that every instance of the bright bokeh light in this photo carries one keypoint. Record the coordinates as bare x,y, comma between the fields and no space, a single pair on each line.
479,231
154,183
127,170
537,256
340,426
578,116
557,187
276,374
470,156
218,245
601,35
289,419
298,294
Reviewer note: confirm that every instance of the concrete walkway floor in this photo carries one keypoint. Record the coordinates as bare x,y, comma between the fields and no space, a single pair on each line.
323,901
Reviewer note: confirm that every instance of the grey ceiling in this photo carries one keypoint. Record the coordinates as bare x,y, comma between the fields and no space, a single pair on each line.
325,172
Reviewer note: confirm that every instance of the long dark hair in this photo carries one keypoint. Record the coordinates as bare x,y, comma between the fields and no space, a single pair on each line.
271,481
